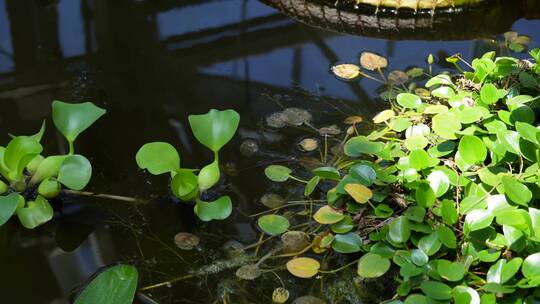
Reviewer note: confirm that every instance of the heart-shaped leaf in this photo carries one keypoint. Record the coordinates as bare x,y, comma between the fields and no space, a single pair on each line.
215,128
158,158
219,209
71,119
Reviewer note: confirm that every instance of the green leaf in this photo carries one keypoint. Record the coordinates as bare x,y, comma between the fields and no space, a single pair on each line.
436,290
383,211
75,172
219,209
531,266
439,182
447,237
449,212
489,94
465,295
527,132
209,175
215,128
277,173
8,205
363,173
516,191
383,116
472,149
273,224
347,243
359,145
446,125
408,100
477,219
398,230
48,168
19,152
424,195
328,173
158,158
35,213
430,244
72,119
419,257
343,226
372,265
450,271
443,92
502,271
441,79
419,159
116,285
311,185
184,185
523,114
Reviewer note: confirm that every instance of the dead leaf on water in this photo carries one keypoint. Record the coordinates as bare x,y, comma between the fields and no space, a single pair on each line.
296,116
346,71
280,295
272,200
186,240
352,120
294,241
398,77
248,272
308,144
330,130
371,61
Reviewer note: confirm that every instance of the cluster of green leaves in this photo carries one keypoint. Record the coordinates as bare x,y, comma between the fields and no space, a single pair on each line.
213,129
446,190
30,179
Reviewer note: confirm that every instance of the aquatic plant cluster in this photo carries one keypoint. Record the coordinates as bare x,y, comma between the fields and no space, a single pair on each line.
31,179
443,193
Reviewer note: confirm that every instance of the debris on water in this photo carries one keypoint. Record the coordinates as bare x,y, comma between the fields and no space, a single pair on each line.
346,71
398,77
248,272
249,147
186,240
308,144
330,130
276,120
308,300
294,241
280,295
296,116
272,200
230,169
233,248
422,92
371,61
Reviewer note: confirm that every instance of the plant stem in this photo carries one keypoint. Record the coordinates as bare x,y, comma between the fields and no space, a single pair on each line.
107,196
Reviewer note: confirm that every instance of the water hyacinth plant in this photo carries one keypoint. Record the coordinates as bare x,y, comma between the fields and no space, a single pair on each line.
30,179
445,191
213,129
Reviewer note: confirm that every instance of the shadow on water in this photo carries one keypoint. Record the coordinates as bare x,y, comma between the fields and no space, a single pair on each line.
150,64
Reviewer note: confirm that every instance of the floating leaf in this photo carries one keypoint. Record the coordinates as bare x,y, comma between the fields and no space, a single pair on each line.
186,240
347,243
384,116
303,267
308,144
248,272
215,128
360,193
408,100
371,61
116,285
277,173
359,145
294,241
75,172
219,209
346,71
158,158
311,185
372,265
72,119
272,200
328,215
328,173
280,295
273,224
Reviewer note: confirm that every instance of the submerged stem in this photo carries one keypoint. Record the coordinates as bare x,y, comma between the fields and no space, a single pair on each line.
107,196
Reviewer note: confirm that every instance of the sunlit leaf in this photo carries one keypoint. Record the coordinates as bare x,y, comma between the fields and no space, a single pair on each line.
273,224
371,61
116,285
158,158
215,128
277,173
346,71
75,172
328,215
303,267
372,265
347,243
71,119
219,209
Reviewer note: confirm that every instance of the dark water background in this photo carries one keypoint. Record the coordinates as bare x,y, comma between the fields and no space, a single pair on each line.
151,64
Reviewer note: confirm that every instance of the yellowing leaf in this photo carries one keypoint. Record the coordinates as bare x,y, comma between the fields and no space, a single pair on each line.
346,71
327,215
372,61
360,193
303,267
383,116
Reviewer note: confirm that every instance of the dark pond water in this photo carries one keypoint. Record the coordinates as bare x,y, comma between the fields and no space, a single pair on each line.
150,64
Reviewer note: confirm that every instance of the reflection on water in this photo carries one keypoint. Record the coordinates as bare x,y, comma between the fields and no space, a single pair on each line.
151,63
